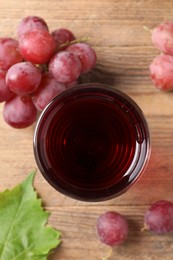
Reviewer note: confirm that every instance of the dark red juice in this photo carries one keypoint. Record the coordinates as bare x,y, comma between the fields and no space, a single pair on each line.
91,142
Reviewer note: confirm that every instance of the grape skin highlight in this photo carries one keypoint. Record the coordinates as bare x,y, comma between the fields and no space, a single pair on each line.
19,112
159,217
112,228
37,46
23,78
162,37
65,67
161,72
31,23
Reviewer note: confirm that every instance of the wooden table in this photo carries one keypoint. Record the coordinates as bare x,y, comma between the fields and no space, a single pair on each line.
124,50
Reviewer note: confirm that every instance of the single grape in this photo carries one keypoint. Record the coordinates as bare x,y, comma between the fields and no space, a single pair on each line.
112,228
23,78
37,46
20,112
5,93
48,89
161,72
65,66
86,55
31,23
159,217
62,36
162,37
9,53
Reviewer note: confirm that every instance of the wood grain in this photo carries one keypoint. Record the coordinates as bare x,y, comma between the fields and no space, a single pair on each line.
124,52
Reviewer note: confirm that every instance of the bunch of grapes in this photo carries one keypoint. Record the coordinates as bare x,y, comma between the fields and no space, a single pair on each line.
161,68
37,67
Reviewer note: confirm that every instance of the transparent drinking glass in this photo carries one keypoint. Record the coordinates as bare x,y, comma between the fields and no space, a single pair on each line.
92,142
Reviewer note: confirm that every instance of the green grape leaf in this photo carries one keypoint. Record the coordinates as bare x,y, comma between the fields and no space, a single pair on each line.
24,234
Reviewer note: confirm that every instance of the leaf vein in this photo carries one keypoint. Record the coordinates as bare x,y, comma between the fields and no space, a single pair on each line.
11,227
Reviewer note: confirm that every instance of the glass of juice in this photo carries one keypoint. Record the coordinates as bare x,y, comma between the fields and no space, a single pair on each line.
92,142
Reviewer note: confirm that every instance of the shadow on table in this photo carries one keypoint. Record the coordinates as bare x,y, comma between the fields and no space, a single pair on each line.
98,75
130,247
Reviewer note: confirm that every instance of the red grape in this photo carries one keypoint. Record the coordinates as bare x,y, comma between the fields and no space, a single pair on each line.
20,112
112,228
23,78
162,37
9,53
5,93
62,36
159,217
47,90
86,55
161,71
65,66
37,46
31,23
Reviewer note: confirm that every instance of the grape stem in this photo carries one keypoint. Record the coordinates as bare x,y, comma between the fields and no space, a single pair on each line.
110,252
147,29
43,67
68,43
144,228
